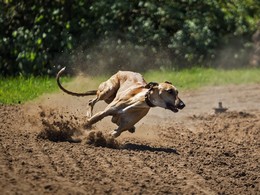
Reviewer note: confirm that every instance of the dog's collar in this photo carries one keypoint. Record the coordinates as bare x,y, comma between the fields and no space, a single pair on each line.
147,100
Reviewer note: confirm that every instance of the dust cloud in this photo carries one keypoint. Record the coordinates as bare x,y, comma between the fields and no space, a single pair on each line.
110,55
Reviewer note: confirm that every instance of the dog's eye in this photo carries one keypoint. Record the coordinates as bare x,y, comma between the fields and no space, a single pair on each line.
170,91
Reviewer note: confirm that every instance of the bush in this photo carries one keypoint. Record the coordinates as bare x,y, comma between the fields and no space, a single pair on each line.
36,36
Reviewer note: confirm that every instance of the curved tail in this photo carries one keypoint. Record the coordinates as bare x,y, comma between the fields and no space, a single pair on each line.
93,92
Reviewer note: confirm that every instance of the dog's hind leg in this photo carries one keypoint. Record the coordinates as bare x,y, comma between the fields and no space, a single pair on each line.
91,106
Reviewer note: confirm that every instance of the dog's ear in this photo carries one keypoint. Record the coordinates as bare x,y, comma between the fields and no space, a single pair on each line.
168,82
151,85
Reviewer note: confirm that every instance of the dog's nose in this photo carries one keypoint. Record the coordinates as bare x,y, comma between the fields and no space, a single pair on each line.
180,105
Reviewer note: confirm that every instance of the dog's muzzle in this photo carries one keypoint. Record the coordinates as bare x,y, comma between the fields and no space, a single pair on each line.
175,108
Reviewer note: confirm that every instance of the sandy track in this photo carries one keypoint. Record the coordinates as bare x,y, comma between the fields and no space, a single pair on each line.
193,151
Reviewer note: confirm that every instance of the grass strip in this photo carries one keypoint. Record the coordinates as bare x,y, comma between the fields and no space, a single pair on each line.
14,90
21,89
198,77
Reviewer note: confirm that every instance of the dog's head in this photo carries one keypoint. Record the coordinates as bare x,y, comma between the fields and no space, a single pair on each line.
165,95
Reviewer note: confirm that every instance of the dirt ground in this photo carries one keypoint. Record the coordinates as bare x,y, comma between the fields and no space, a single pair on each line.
44,149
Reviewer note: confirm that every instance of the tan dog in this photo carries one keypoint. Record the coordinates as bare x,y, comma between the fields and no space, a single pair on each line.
129,99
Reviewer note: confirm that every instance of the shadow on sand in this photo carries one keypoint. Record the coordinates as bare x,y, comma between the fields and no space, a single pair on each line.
141,147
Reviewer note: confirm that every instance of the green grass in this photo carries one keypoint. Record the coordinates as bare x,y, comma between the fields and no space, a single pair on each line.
199,77
21,89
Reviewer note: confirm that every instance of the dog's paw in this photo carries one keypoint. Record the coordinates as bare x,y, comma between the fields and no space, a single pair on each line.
115,133
131,130
89,113
87,126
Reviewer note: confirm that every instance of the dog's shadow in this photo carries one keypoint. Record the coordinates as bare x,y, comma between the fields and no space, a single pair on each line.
141,147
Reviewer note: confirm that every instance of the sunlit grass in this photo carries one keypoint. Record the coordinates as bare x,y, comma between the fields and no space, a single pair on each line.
20,89
199,77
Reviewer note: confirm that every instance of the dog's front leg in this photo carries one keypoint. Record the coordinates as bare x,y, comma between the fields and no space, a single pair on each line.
97,117
129,119
123,125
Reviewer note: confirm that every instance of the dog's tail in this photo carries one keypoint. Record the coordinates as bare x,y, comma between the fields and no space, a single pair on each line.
93,92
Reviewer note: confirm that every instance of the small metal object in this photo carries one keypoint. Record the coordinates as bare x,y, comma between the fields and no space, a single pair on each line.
220,108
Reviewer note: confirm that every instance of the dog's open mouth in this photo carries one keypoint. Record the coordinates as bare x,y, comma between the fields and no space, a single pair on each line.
175,108
172,107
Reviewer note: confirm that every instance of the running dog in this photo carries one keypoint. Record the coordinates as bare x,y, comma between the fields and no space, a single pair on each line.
129,98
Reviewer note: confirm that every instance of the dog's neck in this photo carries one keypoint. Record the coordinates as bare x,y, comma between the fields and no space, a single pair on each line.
148,98
153,99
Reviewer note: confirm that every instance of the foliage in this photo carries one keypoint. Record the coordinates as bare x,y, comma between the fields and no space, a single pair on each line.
36,36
